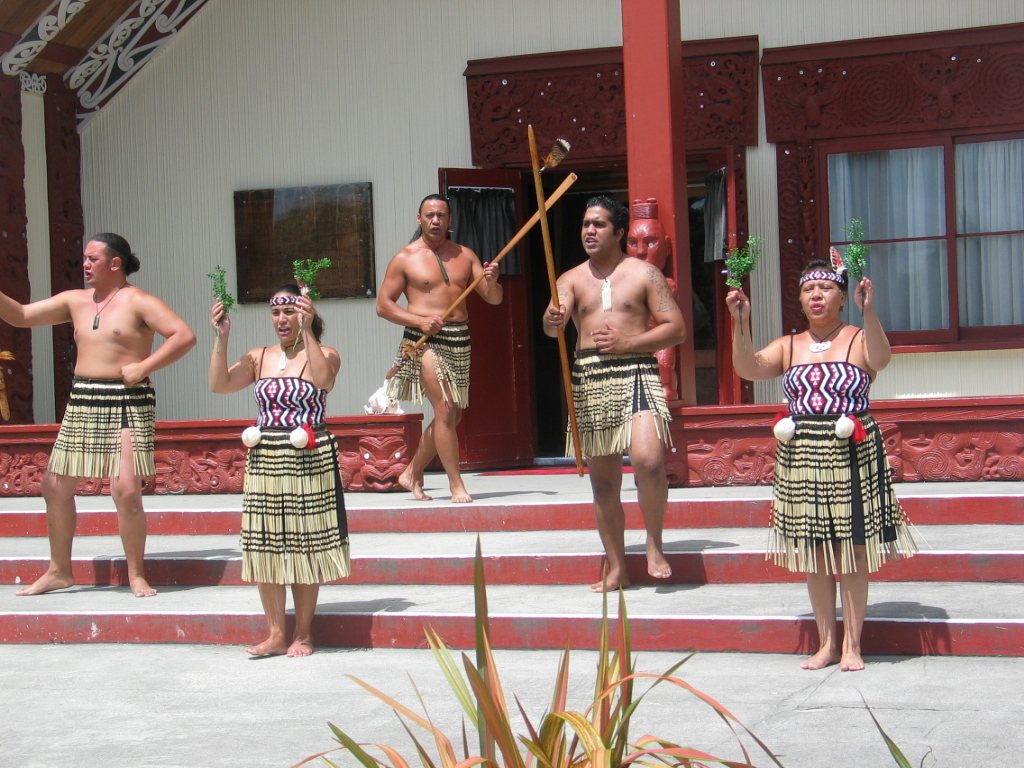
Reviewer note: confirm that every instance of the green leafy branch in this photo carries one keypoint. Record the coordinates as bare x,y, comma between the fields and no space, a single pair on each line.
220,288
306,271
220,291
856,252
741,261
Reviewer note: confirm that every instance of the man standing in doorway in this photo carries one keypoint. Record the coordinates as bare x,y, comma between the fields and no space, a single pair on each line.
432,272
108,426
617,390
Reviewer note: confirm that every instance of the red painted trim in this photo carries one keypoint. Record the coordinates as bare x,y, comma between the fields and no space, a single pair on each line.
536,570
362,630
541,62
570,516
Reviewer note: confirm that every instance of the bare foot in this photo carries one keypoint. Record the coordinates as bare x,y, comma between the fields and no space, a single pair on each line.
657,565
851,662
820,660
272,646
413,483
610,584
48,582
140,587
302,645
461,496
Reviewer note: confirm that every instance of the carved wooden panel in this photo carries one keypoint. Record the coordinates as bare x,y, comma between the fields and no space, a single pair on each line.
939,440
943,81
67,227
798,214
578,95
207,457
905,84
17,376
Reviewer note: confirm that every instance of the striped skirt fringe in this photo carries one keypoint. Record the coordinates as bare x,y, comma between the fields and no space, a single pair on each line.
294,528
607,390
451,350
89,441
830,490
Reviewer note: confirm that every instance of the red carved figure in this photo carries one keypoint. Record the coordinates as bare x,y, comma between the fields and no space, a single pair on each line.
648,242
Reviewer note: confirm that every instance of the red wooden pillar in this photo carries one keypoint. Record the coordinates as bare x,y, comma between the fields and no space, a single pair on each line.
655,142
17,373
64,189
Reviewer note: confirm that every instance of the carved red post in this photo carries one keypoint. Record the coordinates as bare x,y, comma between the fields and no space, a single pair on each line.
14,256
64,188
648,241
655,146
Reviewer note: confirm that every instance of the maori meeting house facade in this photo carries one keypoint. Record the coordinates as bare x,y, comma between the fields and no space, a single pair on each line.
244,134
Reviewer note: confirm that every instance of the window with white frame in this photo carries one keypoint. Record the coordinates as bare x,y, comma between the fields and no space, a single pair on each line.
945,224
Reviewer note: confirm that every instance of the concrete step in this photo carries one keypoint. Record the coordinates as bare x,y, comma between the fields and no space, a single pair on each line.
980,553
902,618
372,513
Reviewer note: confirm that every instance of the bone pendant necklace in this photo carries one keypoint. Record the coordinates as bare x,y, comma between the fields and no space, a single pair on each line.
822,344
606,287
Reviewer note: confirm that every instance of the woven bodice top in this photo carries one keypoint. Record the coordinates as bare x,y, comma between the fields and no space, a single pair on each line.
826,388
289,401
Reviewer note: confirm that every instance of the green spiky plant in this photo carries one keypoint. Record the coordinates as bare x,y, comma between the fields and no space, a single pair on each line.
305,271
856,257
220,291
741,261
595,738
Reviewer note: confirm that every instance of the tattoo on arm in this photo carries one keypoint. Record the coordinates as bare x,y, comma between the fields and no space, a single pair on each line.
666,301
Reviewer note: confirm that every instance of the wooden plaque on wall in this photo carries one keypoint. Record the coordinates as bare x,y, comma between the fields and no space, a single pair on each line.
274,227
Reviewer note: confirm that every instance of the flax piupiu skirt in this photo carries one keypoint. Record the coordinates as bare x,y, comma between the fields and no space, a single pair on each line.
294,529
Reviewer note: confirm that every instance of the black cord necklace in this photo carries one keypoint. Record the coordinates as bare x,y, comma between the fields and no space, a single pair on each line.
823,343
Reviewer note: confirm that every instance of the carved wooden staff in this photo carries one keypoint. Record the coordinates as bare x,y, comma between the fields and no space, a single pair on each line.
409,351
550,259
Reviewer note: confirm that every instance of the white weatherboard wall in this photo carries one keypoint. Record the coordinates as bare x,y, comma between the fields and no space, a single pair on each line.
265,93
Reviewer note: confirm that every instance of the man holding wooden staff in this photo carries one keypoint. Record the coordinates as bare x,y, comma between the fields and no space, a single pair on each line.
432,272
616,385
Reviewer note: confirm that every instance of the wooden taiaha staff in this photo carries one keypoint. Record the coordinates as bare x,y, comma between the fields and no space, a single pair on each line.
409,351
550,260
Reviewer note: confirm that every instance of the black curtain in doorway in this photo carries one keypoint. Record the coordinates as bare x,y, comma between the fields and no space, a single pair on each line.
484,220
714,216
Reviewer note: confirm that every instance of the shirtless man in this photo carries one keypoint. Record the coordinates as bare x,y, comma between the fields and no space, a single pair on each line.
432,272
108,426
616,387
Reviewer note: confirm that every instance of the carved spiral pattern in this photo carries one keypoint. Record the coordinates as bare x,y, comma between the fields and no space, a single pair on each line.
1008,468
715,471
879,94
933,464
1000,84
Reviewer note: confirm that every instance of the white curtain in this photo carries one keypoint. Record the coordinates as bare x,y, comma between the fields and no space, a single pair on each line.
990,198
898,194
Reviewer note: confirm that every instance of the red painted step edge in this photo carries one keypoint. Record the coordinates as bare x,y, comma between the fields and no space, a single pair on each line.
703,513
687,568
762,635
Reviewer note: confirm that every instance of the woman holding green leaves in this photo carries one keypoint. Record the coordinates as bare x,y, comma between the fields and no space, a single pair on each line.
294,529
834,511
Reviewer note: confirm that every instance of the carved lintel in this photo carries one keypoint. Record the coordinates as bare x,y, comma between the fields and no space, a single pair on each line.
579,95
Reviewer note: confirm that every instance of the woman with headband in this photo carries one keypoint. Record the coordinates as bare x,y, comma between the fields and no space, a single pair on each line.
294,529
834,510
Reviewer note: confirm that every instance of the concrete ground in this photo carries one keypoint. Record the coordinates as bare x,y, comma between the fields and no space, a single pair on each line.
125,706
136,706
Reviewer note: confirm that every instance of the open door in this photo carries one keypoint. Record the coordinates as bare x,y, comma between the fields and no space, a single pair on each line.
497,428
732,390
